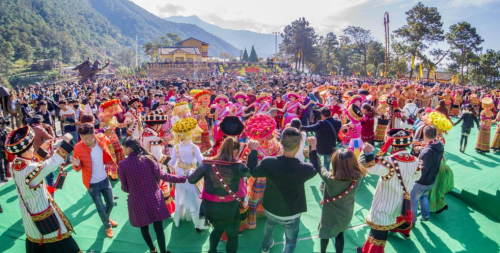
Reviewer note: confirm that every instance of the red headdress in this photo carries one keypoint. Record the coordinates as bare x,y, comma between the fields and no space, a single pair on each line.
260,126
202,94
111,107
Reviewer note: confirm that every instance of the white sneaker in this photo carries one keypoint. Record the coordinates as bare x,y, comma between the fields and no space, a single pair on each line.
264,251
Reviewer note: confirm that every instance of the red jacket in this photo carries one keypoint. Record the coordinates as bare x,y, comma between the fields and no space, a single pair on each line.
82,151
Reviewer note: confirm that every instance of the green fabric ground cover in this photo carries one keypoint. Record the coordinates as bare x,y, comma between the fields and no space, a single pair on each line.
460,229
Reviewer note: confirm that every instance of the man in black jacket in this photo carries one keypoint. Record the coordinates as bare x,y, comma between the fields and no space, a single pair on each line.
284,196
325,134
431,156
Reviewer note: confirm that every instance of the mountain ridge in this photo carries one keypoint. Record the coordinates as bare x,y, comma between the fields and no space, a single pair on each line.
132,19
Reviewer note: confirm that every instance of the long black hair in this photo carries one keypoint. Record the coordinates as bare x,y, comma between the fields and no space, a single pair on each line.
136,147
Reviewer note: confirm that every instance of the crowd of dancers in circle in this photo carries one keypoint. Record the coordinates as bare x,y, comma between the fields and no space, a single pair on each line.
223,151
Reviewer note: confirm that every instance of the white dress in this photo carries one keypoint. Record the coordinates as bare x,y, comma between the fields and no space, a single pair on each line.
187,196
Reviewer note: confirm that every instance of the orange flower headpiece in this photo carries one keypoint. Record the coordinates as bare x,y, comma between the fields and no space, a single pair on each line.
111,107
202,94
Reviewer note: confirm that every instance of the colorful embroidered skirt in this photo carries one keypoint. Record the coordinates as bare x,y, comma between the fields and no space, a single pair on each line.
495,145
483,139
288,118
444,184
255,187
381,130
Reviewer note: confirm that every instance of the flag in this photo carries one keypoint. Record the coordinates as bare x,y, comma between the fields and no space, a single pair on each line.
421,71
412,61
381,73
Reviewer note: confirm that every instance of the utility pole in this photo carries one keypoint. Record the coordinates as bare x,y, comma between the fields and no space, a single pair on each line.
276,43
136,56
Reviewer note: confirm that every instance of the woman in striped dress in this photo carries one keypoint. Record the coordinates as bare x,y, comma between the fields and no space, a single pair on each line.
483,137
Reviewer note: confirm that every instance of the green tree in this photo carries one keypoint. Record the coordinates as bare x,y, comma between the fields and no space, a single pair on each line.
299,41
463,40
361,39
150,50
253,56
54,54
245,56
6,57
26,53
424,27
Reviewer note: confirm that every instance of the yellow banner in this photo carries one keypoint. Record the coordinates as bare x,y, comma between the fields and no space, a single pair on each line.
412,61
421,72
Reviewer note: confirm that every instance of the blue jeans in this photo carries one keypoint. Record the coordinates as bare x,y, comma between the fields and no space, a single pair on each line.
327,160
104,188
420,193
49,179
291,228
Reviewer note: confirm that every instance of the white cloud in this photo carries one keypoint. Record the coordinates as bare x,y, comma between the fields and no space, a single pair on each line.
170,10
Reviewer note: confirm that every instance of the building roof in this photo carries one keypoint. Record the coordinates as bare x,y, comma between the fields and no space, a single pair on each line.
440,75
171,50
202,42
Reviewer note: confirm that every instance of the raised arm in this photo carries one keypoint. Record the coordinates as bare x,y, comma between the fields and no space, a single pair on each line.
49,164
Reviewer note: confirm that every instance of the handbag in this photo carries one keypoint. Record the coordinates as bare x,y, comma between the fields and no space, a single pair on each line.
45,221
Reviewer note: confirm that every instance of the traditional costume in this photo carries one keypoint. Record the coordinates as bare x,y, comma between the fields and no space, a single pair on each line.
483,137
475,102
292,107
109,123
391,207
153,142
382,120
222,109
47,228
185,157
260,127
457,102
133,120
354,130
263,103
200,110
495,145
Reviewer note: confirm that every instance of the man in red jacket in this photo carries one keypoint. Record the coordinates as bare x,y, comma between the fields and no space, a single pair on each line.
90,156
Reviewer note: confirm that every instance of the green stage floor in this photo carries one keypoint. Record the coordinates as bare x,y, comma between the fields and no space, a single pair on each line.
460,229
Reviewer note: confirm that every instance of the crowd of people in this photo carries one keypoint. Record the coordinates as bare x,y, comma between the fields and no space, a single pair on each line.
222,151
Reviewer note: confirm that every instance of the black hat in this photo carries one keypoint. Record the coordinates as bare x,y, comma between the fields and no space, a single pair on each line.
156,117
231,126
397,137
20,140
42,102
364,92
133,99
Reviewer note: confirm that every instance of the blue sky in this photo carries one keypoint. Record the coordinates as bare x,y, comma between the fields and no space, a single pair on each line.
267,16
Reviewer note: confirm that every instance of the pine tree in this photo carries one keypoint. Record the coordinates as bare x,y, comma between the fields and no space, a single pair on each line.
245,56
253,56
